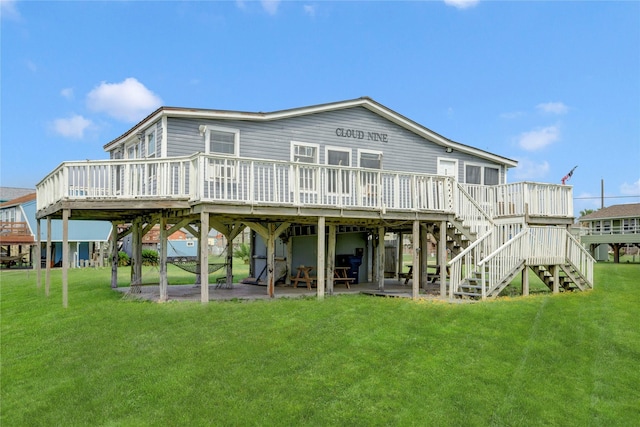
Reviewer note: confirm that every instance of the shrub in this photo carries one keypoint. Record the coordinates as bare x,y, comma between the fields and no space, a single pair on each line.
149,257
243,252
123,259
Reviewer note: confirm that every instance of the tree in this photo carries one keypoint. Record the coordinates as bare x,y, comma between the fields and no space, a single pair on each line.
586,212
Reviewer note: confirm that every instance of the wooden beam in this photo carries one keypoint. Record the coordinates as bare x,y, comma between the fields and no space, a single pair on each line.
415,289
38,257
331,255
204,258
114,255
442,258
380,259
321,258
180,224
47,276
164,240
271,258
65,257
525,281
259,228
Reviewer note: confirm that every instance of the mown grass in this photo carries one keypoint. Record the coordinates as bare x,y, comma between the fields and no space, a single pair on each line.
568,359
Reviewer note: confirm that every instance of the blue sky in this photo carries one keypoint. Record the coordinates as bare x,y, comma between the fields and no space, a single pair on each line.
550,84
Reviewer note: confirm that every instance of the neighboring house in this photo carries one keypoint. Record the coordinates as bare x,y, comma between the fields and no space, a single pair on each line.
88,240
325,183
616,226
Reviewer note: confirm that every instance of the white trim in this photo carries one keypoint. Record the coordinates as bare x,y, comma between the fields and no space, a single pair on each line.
207,129
304,144
364,150
482,166
367,103
450,159
165,138
151,130
335,148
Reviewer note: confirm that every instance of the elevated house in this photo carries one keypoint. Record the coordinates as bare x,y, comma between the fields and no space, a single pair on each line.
87,241
614,226
321,186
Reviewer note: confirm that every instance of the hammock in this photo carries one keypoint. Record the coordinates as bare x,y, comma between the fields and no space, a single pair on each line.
192,266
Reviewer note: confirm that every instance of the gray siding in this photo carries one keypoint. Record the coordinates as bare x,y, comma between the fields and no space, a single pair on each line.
403,151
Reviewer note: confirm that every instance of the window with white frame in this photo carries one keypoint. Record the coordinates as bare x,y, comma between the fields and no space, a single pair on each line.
305,153
222,141
370,159
151,143
481,174
338,180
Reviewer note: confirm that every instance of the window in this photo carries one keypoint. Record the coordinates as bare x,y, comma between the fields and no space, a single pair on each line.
133,151
221,141
370,159
338,157
305,153
151,144
481,175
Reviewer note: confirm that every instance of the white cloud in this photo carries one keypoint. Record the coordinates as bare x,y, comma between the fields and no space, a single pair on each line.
128,100
461,4
71,127
632,189
309,9
553,107
67,92
528,169
539,138
9,10
270,6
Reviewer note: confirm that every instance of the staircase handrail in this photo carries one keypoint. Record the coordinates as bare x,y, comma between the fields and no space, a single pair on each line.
466,258
500,270
580,258
479,210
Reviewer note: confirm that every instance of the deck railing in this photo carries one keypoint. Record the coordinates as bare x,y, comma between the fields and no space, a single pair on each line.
521,198
202,177
580,258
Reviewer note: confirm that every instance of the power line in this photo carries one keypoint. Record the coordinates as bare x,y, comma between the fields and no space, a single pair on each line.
605,197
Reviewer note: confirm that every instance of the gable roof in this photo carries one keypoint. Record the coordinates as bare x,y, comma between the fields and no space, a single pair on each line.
630,210
365,102
10,193
18,200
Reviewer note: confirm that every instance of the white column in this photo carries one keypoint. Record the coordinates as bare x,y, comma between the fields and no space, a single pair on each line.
114,255
47,277
380,259
38,255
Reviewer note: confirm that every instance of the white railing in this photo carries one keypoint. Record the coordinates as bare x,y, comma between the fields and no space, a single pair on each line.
547,245
500,263
608,230
464,265
472,213
246,181
580,258
521,198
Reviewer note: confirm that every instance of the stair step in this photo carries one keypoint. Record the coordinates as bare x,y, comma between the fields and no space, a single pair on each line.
467,294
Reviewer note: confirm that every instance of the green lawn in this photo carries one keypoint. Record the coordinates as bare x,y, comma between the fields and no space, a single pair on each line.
566,360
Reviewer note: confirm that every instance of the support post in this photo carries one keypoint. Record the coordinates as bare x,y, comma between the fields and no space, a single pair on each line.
442,258
400,253
65,257
525,281
415,288
556,279
164,239
380,259
331,261
424,256
271,258
321,259
114,255
38,255
289,261
204,257
47,276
